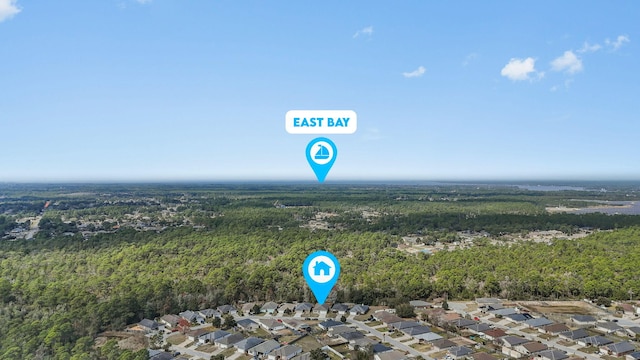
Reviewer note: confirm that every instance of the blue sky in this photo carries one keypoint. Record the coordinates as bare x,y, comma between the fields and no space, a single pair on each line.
198,90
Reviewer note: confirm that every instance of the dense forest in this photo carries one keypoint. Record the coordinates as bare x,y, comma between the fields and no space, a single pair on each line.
63,287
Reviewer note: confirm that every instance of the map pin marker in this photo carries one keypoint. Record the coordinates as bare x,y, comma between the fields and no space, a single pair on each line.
321,154
321,270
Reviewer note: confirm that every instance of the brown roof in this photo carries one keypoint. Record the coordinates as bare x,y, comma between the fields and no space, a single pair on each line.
556,328
495,333
483,356
535,346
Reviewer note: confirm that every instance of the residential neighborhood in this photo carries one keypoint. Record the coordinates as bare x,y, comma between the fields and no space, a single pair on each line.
479,330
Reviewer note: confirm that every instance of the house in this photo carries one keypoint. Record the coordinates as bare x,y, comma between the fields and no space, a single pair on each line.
459,352
247,308
247,324
227,309
271,324
634,332
595,341
286,308
483,356
212,336
403,325
519,317
321,309
530,348
304,307
416,330
419,304
553,355
503,312
574,334
513,341
443,344
449,317
247,344
494,334
194,335
428,337
264,348
303,356
170,321
192,317
618,349
462,323
340,329
380,348
538,322
390,355
160,355
607,327
326,325
633,356
583,320
350,336
340,308
359,309
381,315
478,328
361,343
228,341
209,313
269,307
148,325
284,353
296,324
487,301
554,329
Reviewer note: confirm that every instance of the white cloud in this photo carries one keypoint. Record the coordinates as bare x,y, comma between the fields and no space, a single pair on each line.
587,48
415,73
367,31
519,69
618,42
8,9
568,62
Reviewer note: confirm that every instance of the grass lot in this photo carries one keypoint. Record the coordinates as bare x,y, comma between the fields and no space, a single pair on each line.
361,317
589,349
244,357
495,319
529,331
374,323
209,348
228,352
547,336
342,349
396,334
262,333
308,343
438,355
566,343
176,339
421,347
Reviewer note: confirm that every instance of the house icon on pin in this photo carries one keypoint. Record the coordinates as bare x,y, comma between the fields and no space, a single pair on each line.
321,267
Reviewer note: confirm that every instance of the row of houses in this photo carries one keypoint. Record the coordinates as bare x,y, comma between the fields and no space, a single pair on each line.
306,308
256,347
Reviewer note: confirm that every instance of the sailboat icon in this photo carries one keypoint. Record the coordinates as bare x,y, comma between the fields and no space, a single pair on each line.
322,153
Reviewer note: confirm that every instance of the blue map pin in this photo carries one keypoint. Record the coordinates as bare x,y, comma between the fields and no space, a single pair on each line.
321,270
321,154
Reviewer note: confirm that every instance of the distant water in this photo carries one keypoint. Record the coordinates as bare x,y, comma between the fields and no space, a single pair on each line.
551,188
631,208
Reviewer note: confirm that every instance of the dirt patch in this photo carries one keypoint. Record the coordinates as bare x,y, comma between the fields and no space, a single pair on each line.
560,307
